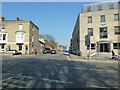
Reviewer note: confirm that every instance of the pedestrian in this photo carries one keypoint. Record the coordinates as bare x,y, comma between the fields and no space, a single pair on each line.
35,51
113,54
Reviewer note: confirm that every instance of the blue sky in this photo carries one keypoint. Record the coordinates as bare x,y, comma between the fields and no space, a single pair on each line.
54,18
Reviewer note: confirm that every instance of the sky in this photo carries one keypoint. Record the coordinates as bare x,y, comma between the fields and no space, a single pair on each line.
54,18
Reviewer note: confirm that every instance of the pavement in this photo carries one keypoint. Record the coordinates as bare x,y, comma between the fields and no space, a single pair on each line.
78,58
70,57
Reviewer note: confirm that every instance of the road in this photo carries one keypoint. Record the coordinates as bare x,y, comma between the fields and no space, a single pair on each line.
56,71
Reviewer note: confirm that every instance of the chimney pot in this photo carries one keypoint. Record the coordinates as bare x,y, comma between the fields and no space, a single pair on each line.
17,18
2,18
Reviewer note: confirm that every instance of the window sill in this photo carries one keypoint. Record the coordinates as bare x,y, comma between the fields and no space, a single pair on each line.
103,23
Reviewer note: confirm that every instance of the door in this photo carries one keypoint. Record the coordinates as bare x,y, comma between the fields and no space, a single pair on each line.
104,47
2,47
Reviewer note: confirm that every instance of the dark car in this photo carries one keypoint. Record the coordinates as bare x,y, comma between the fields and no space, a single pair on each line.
53,52
46,51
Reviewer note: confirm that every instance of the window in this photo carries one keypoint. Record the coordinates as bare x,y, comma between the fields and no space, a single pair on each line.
77,40
19,47
102,18
32,28
111,6
32,38
20,26
99,7
88,9
4,37
0,37
20,36
117,29
26,47
90,31
116,17
103,32
92,46
8,47
116,45
2,47
2,27
90,19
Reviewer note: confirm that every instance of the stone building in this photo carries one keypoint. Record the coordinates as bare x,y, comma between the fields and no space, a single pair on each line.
101,21
21,35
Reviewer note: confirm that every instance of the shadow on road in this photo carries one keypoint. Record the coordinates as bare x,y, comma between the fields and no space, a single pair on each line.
36,73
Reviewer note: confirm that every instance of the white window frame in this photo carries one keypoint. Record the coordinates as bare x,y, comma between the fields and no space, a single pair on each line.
1,38
32,38
102,18
33,28
90,19
20,37
20,26
116,17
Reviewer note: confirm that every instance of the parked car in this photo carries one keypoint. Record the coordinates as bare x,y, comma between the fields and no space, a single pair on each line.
46,51
53,52
2,51
15,52
66,53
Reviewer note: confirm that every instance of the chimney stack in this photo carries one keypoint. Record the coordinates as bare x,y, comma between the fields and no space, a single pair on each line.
17,19
2,18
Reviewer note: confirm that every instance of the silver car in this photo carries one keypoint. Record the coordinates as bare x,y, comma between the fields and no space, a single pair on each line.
66,53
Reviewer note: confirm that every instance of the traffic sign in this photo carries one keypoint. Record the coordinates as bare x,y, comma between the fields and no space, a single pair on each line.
87,39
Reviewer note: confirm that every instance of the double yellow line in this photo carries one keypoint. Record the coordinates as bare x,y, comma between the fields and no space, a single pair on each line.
95,86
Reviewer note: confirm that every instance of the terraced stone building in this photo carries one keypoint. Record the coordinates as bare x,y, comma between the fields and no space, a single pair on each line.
21,35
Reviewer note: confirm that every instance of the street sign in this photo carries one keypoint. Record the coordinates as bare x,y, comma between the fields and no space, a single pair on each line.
87,39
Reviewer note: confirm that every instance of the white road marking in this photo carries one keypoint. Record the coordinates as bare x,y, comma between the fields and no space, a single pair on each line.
91,69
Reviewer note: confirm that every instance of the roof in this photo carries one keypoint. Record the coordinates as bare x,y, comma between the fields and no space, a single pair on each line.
42,40
105,6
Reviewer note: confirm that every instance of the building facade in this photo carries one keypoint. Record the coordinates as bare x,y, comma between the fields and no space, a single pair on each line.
21,35
42,44
101,21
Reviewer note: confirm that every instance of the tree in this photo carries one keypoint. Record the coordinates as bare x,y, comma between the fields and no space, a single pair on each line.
47,37
53,44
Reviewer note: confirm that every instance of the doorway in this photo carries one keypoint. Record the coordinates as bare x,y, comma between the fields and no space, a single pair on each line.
104,47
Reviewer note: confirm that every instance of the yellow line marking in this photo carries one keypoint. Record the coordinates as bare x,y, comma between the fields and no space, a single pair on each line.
12,85
95,86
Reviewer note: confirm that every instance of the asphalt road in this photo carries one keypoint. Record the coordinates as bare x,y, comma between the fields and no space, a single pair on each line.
56,71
